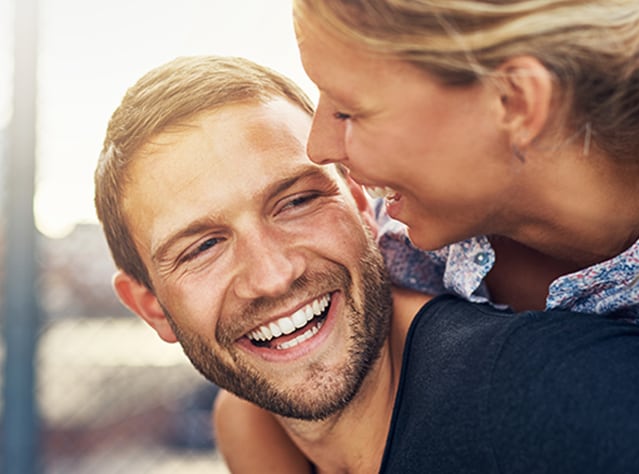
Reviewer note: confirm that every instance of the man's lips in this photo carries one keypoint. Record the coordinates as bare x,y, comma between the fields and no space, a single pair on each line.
305,323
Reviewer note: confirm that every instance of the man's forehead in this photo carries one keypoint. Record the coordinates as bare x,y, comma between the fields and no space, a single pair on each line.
235,137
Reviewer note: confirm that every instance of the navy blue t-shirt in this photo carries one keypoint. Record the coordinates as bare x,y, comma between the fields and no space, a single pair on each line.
489,391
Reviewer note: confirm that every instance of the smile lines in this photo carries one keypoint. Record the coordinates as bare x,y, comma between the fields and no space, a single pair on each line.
292,323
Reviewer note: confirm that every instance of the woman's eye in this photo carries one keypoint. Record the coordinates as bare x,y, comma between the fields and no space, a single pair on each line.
341,116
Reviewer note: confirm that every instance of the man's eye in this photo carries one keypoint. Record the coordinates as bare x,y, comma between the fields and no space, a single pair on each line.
341,116
203,247
299,201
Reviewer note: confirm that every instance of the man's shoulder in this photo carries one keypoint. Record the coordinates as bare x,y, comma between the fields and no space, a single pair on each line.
483,389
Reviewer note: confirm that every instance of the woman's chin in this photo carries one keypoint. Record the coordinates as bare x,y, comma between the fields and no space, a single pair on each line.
430,235
423,240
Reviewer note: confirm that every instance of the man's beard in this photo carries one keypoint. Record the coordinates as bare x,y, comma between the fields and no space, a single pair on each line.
325,391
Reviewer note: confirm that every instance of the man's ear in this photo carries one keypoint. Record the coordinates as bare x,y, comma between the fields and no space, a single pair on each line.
363,204
526,89
140,300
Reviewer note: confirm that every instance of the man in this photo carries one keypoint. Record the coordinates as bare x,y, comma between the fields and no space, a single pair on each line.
263,266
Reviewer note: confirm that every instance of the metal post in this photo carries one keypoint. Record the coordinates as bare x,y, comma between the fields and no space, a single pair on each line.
20,311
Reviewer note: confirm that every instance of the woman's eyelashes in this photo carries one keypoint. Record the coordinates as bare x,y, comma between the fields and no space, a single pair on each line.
341,116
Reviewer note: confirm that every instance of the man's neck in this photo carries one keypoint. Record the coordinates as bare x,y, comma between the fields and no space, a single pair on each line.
354,439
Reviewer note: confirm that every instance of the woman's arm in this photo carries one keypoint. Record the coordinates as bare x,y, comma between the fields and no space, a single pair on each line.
251,440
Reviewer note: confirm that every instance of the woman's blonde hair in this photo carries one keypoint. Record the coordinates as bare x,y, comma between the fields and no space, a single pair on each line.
590,46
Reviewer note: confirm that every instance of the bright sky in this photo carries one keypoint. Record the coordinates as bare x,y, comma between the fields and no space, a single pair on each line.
92,51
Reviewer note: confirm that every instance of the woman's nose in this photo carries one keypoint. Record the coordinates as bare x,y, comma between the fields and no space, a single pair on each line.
326,138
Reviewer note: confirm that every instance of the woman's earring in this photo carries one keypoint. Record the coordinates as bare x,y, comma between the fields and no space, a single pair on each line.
519,154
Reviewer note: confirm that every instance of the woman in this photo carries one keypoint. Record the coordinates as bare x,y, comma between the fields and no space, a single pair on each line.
504,134
516,120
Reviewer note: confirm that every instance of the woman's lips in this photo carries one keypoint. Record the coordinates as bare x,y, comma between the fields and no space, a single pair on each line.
392,199
382,192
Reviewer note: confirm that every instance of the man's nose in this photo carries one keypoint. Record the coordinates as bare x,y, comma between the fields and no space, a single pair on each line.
270,265
326,138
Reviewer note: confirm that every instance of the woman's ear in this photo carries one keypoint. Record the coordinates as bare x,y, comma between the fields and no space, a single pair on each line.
363,204
526,88
140,300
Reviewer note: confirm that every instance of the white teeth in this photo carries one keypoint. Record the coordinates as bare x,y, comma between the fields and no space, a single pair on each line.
275,330
289,324
299,319
299,339
286,324
380,192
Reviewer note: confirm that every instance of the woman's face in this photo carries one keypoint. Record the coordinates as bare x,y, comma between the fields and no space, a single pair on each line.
393,125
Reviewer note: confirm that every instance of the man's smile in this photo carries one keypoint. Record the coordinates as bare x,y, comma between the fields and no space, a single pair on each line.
289,331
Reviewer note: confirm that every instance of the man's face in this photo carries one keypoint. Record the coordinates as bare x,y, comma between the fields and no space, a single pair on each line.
259,259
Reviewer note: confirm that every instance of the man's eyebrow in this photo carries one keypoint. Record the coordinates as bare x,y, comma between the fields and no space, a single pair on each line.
285,183
201,225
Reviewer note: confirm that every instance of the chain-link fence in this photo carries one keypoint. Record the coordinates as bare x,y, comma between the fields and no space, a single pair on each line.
112,397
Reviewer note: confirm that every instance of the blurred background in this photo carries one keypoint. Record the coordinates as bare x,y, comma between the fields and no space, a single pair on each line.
85,386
